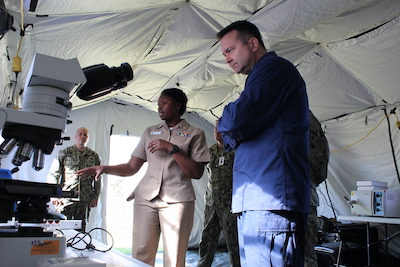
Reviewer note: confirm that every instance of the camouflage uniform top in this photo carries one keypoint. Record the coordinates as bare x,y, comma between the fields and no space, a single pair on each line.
66,163
220,170
319,157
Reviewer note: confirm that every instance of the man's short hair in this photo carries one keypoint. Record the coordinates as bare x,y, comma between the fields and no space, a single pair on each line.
245,30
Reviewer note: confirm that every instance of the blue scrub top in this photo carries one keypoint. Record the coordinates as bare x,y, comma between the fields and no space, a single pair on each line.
268,126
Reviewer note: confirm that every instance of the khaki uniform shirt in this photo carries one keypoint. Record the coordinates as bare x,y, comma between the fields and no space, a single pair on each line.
164,177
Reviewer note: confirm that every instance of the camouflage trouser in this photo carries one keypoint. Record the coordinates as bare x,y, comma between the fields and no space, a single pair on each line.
217,219
310,258
76,211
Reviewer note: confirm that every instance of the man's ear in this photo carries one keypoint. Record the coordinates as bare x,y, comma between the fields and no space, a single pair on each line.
253,42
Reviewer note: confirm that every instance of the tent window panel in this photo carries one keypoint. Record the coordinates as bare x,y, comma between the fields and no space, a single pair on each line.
119,212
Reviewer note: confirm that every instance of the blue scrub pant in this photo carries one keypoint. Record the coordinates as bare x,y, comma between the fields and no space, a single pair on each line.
271,238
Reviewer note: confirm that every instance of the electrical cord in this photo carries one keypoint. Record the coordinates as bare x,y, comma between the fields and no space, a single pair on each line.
13,102
393,111
330,200
80,238
387,115
7,98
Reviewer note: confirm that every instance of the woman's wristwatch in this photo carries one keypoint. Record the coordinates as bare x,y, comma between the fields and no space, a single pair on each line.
174,150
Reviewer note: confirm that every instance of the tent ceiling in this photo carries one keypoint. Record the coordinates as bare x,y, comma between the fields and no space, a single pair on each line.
347,51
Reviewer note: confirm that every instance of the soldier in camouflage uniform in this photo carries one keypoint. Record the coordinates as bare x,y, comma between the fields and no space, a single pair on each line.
218,206
319,157
62,171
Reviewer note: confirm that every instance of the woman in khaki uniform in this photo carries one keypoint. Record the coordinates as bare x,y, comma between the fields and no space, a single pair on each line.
176,152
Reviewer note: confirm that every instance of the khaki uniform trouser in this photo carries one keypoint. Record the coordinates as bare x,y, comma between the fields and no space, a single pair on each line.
173,220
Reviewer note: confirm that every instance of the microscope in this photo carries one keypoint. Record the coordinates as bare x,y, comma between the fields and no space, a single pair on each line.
38,126
33,133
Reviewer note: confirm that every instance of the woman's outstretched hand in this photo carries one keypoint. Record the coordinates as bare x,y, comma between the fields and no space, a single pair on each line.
87,172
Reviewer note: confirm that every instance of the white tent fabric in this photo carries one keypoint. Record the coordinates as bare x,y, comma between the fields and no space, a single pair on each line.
346,50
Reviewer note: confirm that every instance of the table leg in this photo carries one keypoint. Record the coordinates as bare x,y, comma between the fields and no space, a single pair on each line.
368,247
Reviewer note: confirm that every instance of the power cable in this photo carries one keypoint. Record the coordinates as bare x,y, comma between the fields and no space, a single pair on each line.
80,238
330,200
386,115
393,111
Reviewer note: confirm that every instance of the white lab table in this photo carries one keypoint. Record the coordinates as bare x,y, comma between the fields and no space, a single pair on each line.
112,258
372,219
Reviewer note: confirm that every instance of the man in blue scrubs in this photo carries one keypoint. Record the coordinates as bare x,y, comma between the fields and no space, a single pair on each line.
268,127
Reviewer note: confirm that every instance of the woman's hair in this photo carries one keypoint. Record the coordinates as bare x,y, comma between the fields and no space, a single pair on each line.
179,96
